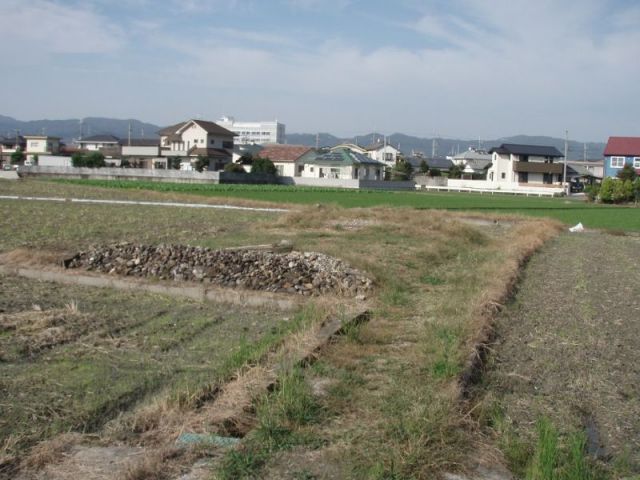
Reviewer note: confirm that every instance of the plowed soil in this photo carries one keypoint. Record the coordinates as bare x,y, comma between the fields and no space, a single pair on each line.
568,347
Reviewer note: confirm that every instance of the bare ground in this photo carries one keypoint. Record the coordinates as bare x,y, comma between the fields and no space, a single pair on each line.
568,346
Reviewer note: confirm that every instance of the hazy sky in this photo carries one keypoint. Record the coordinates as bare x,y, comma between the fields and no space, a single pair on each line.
455,68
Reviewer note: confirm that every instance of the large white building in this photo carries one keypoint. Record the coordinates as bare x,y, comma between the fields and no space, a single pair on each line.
254,132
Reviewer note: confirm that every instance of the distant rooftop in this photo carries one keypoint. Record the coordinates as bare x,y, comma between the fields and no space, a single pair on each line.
533,150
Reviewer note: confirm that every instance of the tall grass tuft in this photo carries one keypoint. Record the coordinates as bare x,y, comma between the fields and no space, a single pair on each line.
545,456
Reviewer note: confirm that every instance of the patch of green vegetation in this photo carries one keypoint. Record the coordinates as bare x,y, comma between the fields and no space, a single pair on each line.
446,352
282,418
567,211
431,280
138,345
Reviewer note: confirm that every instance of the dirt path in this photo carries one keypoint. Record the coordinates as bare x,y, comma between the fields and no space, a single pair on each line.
568,346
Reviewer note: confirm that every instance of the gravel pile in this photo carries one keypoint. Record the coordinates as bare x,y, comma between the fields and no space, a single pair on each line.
304,273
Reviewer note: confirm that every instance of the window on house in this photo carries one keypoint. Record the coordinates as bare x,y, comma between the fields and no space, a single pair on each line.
280,169
388,157
636,162
227,144
311,169
617,162
503,175
334,173
212,142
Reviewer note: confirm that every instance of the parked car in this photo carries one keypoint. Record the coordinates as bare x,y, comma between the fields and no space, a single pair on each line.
576,187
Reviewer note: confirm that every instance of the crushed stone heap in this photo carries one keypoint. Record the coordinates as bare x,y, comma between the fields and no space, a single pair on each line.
304,273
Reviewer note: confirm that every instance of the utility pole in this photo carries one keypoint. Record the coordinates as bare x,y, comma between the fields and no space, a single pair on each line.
584,155
129,133
566,152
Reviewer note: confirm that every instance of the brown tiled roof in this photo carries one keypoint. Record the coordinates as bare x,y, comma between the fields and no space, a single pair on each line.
283,153
170,129
623,146
210,127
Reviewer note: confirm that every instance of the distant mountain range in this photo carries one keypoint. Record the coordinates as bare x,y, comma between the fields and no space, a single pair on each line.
448,146
70,129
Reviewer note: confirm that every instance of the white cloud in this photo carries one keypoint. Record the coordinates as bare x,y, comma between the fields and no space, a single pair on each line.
38,27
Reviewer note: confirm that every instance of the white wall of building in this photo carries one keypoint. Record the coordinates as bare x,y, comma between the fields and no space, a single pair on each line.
255,132
144,151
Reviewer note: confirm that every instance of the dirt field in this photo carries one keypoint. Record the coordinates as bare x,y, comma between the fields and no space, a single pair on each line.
568,348
383,400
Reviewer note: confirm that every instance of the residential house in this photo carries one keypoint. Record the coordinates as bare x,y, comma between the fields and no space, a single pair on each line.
42,144
350,146
515,166
341,163
259,133
198,138
383,152
99,143
142,152
475,163
9,145
438,163
621,151
286,158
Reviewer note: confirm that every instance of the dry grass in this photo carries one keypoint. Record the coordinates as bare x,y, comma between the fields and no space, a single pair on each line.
50,451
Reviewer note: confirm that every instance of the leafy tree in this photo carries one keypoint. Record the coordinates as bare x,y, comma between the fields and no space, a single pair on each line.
263,165
592,191
456,171
174,163
402,170
435,172
423,167
234,168
636,189
17,156
202,163
246,158
78,160
627,173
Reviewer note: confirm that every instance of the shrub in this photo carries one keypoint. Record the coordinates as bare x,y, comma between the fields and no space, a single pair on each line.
263,165
606,190
423,167
435,172
90,160
234,168
592,191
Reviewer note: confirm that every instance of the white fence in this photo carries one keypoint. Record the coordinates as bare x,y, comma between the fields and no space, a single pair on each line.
483,186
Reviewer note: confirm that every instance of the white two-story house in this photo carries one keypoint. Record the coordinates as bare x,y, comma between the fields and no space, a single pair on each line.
198,138
515,166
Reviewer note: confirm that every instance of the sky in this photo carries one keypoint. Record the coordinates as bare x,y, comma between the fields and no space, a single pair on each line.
450,68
